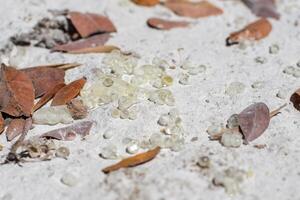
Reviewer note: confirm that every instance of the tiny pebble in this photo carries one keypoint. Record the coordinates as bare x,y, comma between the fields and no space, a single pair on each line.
260,60
62,152
69,180
204,162
282,94
289,70
274,49
296,73
232,139
232,122
258,84
132,149
184,79
108,134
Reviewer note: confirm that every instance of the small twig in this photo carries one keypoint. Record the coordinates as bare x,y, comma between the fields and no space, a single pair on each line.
277,111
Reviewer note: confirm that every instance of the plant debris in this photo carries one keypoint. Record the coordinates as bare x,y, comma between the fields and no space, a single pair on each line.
295,99
77,109
146,2
133,161
163,24
254,31
69,92
193,9
97,49
15,128
263,8
2,123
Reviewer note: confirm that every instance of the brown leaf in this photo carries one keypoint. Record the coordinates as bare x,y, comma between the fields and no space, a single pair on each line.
94,41
44,78
97,49
254,120
64,66
254,31
134,160
146,2
88,24
48,96
263,8
16,91
295,99
163,24
15,128
70,132
77,109
2,123
69,92
193,9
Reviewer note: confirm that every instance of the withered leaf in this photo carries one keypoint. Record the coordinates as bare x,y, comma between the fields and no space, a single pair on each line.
97,49
93,41
133,161
77,109
15,128
295,99
16,92
146,2
254,31
68,92
263,8
45,78
163,24
48,96
193,9
88,24
254,120
2,123
70,132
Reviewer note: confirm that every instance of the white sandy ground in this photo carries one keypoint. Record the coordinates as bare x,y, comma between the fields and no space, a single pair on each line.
172,175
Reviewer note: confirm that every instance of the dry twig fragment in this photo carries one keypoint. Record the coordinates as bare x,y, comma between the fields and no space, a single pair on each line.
48,96
93,41
16,91
193,9
15,128
163,24
97,49
69,133
263,8
254,31
88,24
134,160
295,99
146,2
69,92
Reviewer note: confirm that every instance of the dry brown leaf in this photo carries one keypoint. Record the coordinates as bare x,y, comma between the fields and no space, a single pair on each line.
163,24
69,92
2,123
193,9
295,99
45,78
146,2
97,49
97,40
88,24
70,132
15,128
64,66
16,91
254,31
77,109
263,8
133,161
48,96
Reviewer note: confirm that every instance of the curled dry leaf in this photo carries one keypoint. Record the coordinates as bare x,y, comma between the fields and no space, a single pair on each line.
68,92
163,24
146,2
15,128
263,8
97,49
45,78
77,109
69,133
16,91
48,96
295,99
2,123
88,24
133,161
193,9
254,31
94,41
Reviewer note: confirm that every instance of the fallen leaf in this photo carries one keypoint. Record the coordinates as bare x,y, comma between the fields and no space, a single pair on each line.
146,2
94,41
77,109
45,78
2,123
263,8
133,161
16,91
48,96
70,132
88,24
254,120
295,99
97,49
64,66
193,9
15,128
254,31
68,92
163,24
